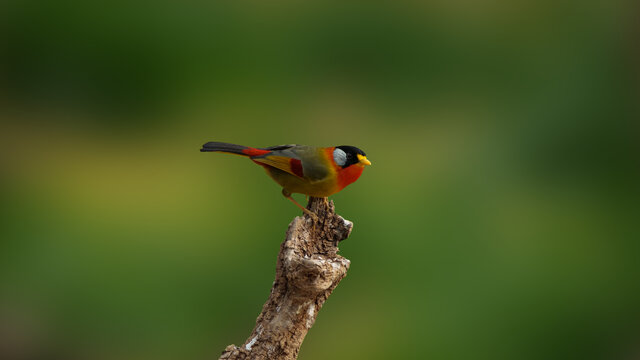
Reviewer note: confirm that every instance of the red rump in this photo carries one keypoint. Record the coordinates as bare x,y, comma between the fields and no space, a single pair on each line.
296,167
254,152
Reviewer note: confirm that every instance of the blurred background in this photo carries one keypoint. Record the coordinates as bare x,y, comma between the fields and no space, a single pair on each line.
499,219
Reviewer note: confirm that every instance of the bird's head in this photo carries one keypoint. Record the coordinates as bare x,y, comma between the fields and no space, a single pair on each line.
346,155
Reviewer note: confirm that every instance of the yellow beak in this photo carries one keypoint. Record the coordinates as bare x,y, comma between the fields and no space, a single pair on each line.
363,160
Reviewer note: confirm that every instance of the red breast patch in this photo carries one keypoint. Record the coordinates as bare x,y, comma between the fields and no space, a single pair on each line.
348,175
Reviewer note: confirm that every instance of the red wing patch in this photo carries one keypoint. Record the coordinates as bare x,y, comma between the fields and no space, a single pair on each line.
296,167
292,166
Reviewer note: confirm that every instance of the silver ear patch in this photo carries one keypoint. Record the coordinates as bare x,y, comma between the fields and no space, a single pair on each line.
340,157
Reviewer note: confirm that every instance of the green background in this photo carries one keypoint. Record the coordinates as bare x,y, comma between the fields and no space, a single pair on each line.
499,219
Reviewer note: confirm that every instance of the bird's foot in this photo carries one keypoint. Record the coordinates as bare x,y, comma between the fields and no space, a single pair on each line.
311,214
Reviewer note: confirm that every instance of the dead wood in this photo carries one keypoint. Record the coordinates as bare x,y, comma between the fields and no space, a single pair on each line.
307,271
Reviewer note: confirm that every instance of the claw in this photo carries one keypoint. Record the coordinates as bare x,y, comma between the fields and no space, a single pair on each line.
313,215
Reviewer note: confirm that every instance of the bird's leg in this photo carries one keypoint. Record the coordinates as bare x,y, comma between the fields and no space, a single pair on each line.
305,210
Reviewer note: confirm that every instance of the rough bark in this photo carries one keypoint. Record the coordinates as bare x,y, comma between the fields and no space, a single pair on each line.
307,271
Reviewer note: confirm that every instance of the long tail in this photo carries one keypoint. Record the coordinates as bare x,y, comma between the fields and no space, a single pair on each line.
232,149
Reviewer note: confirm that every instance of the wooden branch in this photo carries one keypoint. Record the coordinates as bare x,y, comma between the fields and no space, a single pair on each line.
307,271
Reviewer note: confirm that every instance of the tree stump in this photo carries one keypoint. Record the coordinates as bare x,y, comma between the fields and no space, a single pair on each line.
307,271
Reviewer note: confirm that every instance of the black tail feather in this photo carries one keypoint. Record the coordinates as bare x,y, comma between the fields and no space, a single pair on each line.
223,147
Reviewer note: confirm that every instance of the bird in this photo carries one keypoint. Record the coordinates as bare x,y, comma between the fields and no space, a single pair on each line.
313,171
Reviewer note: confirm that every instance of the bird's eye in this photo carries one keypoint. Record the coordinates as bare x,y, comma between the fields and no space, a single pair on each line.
340,157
